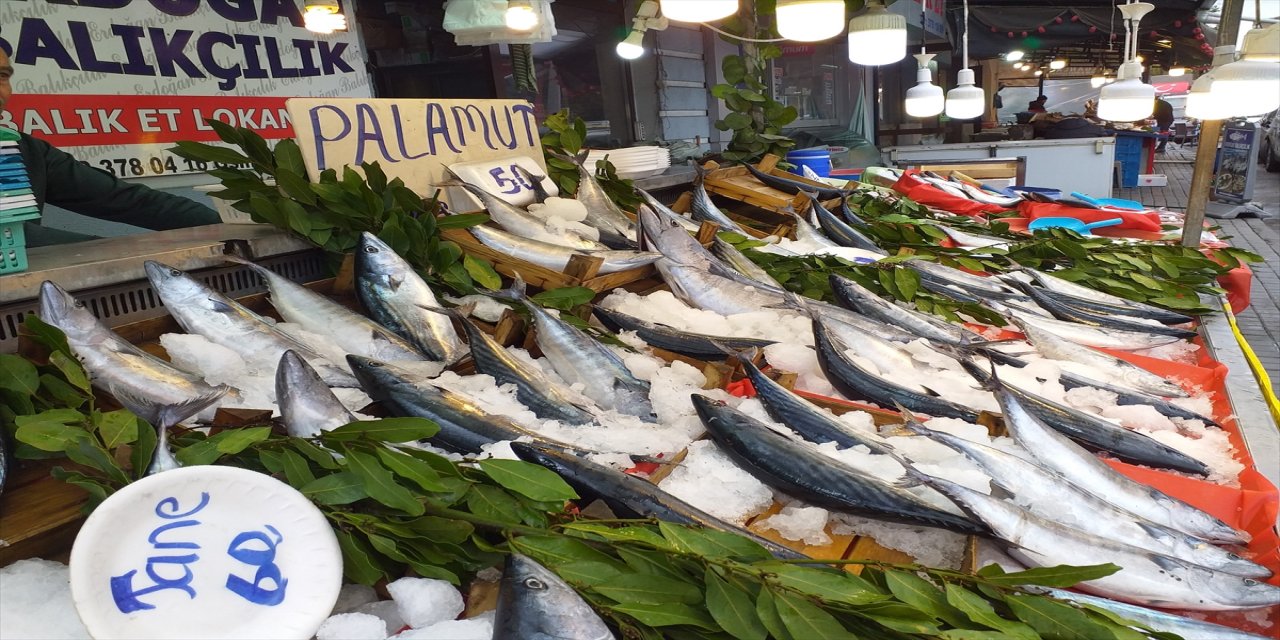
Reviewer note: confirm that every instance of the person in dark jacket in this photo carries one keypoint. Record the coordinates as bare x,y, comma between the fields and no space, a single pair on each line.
1164,119
61,180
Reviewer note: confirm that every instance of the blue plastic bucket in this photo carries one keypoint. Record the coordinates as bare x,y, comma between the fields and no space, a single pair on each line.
817,159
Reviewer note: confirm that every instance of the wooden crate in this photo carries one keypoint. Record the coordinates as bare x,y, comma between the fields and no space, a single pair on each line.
736,183
760,223
582,271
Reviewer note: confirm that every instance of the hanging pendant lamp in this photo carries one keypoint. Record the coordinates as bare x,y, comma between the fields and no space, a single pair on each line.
698,10
926,99
810,20
1250,86
965,101
1129,98
877,37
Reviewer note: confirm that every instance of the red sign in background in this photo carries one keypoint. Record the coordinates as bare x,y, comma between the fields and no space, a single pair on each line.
100,120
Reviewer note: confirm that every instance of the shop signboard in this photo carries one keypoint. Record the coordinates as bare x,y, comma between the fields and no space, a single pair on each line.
414,139
1237,170
116,82
934,11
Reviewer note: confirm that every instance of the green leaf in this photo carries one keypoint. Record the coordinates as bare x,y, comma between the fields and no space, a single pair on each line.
321,457
564,298
58,388
339,488
732,609
462,221
98,490
649,589
554,551
645,535
977,609
142,449
45,334
441,530
289,158
18,375
570,140
234,441
1061,576
411,469
587,573
482,272
666,615
70,369
651,562
710,543
87,452
383,430
116,427
735,70
1055,620
899,617
298,219
767,612
447,253
52,430
737,120
208,153
379,483
908,281
534,481
357,559
493,503
296,469
295,186
836,587
806,620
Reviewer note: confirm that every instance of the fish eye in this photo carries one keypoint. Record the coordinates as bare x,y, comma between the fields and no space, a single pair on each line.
370,249
375,363
78,304
1248,582
174,272
1234,556
534,583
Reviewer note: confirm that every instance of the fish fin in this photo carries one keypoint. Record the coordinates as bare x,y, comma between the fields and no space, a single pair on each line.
910,418
931,391
394,282
460,312
166,415
231,257
221,306
1154,530
514,292
581,157
748,354
529,174
1166,562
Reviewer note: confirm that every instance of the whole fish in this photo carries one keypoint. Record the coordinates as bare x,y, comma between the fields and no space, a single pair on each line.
1055,451
667,212
1044,491
1126,396
838,230
581,359
1078,315
393,292
1094,432
314,312
554,256
632,497
704,290
703,209
616,229
808,234
858,298
307,406
1105,308
787,185
946,185
1084,334
545,398
671,240
986,197
1050,345
856,382
1145,578
849,216
201,310
694,345
1183,627
990,287
522,223
799,470
803,417
535,604
966,239
540,193
1060,285
742,264
464,426
151,388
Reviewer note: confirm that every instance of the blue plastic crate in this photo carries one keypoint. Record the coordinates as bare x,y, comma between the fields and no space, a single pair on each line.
13,259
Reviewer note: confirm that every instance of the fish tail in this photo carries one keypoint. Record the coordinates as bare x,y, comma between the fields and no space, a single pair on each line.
257,268
514,292
166,415
746,355
699,174
529,175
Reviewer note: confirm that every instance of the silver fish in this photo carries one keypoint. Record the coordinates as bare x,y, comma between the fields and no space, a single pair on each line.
394,293
1084,334
1044,492
151,388
314,312
553,256
1185,628
863,300
671,240
974,240
307,406
742,264
201,310
1055,451
702,208
520,222
535,604
602,212
540,193
581,359
1120,372
807,233
667,212
1146,578
986,197
704,290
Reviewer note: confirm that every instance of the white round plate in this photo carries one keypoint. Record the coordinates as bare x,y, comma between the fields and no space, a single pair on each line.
205,552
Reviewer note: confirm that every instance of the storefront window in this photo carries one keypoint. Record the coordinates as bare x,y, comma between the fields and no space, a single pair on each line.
815,79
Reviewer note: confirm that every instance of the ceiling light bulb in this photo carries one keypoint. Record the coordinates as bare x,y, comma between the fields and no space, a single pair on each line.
810,20
1250,86
877,37
1013,56
965,101
926,99
1129,98
1039,73
632,47
1178,71
1058,64
698,10
1201,102
520,15
322,20
1097,81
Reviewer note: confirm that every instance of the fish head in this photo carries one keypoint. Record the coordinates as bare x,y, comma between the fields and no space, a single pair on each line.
1241,593
174,285
60,309
540,454
377,378
533,602
374,256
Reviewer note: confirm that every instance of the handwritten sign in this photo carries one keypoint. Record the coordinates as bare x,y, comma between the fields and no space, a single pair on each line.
413,140
195,555
501,177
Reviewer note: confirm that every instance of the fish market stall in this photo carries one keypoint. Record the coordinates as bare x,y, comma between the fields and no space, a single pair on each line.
1085,165
661,422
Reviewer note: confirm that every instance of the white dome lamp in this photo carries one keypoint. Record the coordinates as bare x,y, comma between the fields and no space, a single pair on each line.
520,15
810,20
926,99
877,37
1129,98
647,18
965,101
698,10
1201,101
1250,86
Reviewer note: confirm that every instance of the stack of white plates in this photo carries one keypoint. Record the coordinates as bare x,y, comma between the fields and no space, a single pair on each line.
633,162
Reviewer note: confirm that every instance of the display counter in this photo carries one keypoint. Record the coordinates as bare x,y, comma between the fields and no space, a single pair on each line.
1078,164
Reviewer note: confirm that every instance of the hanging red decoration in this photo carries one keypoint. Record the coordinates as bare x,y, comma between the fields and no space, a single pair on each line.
1199,36
994,30
1177,24
1093,29
1191,19
1075,18
1024,34
1010,34
1057,20
1040,29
